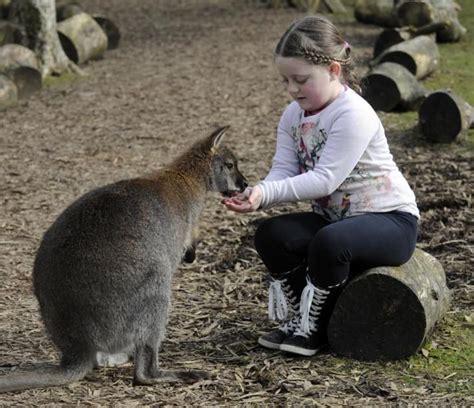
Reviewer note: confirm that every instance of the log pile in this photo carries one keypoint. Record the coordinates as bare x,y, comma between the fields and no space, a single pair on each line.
406,52
83,36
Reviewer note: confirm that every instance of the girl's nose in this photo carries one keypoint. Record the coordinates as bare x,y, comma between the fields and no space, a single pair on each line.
292,88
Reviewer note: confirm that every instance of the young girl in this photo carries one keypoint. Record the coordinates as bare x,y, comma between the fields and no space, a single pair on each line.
331,149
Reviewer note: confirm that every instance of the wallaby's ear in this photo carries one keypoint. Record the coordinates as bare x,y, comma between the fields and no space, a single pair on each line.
216,138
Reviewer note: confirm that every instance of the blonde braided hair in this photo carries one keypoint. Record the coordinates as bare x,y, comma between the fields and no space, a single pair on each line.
319,59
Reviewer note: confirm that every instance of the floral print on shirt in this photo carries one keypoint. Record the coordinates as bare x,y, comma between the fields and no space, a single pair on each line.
355,192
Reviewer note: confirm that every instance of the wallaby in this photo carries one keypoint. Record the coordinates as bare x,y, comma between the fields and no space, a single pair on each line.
103,272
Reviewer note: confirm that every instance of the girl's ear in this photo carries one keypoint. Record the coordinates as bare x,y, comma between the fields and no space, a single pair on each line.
335,70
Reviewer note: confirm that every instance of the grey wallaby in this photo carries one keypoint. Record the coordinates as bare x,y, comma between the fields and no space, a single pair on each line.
103,272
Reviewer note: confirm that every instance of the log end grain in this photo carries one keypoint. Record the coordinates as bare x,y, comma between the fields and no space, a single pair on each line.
379,318
401,58
381,92
111,31
440,118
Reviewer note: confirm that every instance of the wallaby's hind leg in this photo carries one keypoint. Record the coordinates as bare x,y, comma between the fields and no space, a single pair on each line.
147,369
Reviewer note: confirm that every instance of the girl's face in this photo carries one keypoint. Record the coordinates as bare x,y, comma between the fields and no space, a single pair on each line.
312,86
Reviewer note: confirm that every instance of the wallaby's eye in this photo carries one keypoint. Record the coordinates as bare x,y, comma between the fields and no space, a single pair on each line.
230,166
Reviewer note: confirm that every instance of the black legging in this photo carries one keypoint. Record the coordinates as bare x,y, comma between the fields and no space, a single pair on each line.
332,249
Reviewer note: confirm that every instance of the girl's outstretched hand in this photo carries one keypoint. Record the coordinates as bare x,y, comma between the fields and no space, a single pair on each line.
248,201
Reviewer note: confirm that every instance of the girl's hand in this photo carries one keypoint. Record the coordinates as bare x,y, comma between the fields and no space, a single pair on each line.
245,202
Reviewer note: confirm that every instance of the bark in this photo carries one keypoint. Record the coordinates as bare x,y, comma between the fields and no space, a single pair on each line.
8,93
420,55
379,12
39,19
390,86
21,66
387,313
445,117
82,38
421,12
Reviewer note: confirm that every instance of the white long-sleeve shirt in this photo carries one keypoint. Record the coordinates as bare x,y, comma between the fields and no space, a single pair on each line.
339,158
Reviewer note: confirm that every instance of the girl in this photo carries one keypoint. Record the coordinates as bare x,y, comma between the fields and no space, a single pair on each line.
331,149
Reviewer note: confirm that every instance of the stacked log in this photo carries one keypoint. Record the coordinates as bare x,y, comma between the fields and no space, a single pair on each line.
420,55
444,13
387,313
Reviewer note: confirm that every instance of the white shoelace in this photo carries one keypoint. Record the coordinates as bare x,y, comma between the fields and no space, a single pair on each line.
312,299
277,307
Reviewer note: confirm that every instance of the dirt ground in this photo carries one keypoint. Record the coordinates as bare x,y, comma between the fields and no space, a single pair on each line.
182,69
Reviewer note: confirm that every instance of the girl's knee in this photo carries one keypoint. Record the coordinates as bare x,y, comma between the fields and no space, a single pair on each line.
330,246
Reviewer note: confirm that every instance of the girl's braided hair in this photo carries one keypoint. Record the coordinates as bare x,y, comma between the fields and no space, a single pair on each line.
318,41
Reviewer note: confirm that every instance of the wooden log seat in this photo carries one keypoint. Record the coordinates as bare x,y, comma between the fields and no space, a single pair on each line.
387,313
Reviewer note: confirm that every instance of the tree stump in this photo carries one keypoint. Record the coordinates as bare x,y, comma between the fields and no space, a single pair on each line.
444,116
82,38
387,313
421,12
110,29
8,93
379,12
21,66
390,86
420,55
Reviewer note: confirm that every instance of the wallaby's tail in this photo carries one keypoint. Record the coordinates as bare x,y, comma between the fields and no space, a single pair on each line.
46,377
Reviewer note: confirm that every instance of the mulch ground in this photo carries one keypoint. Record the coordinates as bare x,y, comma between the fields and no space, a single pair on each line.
182,69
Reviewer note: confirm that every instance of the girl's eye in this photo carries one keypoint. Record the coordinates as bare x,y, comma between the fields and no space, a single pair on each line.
301,81
229,165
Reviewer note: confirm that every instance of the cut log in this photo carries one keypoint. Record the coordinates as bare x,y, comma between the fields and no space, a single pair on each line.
379,12
390,86
396,35
21,66
420,55
82,38
387,313
444,117
421,12
110,29
8,93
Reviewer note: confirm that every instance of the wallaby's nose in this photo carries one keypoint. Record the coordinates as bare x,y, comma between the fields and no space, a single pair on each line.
245,183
